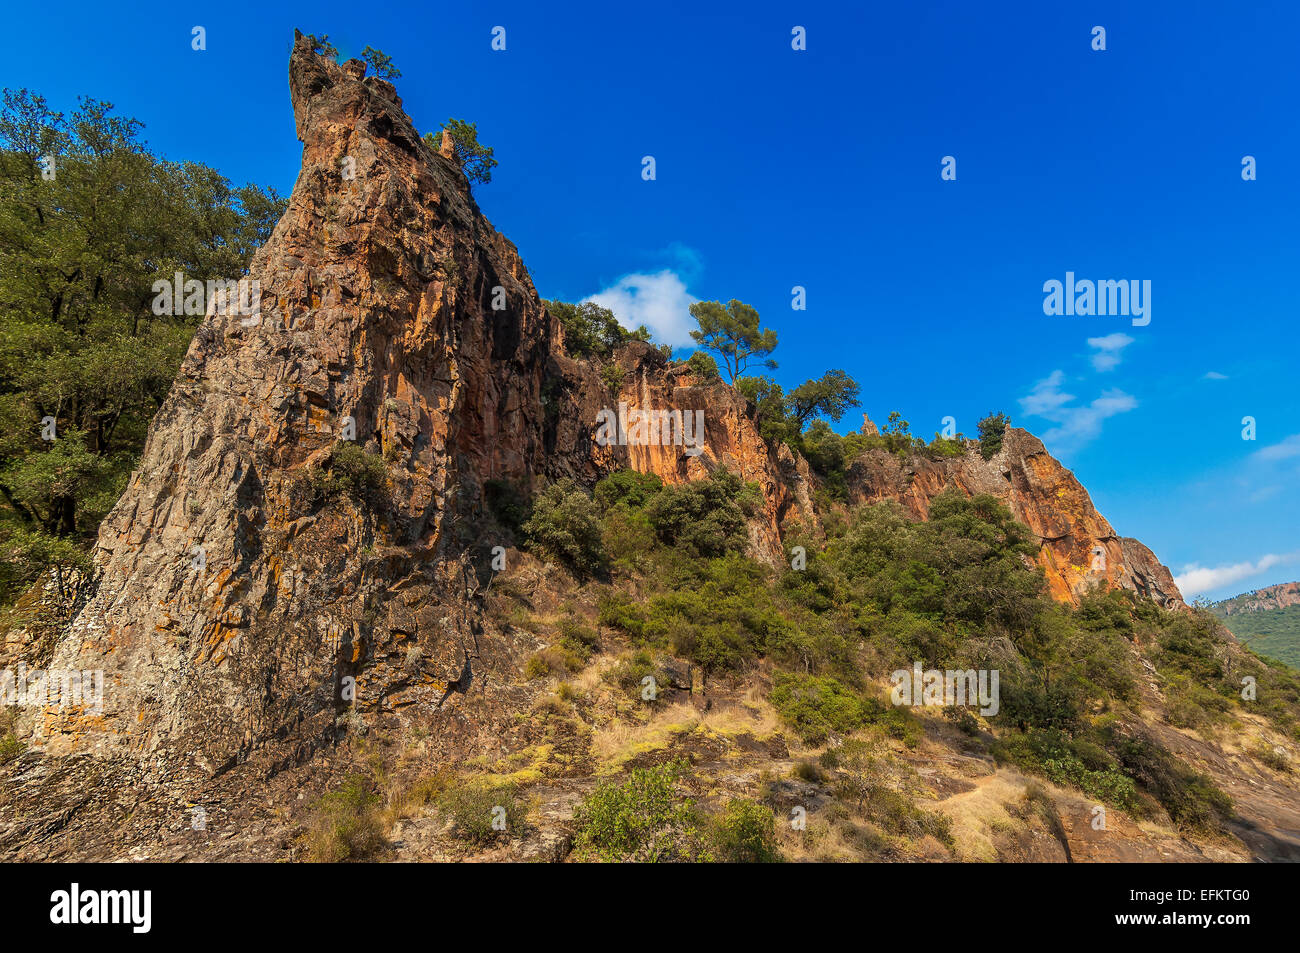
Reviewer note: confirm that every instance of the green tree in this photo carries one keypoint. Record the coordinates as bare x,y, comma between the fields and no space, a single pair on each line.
381,63
565,525
992,429
591,329
321,46
89,220
831,396
771,411
733,333
475,159
704,517
704,367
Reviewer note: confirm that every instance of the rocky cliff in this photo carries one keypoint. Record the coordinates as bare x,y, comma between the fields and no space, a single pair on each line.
296,581
239,610
1079,548
234,605
1261,600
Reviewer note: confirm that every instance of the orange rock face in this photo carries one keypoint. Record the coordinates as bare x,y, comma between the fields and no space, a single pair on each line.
1079,548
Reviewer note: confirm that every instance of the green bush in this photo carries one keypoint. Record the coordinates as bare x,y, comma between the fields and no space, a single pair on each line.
1073,762
555,660
992,429
612,376
509,507
578,637
350,471
704,517
628,538
565,526
590,330
746,834
10,747
644,818
629,487
816,705
483,812
704,367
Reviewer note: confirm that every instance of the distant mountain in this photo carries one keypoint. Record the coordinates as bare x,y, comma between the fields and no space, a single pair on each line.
1268,620
1271,597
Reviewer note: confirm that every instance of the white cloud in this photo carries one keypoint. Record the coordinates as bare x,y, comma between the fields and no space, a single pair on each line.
1288,448
1076,424
1214,376
1194,580
1109,350
660,301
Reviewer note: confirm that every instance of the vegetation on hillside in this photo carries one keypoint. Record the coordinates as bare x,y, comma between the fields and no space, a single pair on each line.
90,219
1274,633
954,592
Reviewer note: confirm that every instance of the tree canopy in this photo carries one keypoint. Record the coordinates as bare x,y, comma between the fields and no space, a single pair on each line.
475,159
89,220
733,333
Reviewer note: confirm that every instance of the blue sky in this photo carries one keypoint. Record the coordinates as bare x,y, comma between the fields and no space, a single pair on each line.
821,168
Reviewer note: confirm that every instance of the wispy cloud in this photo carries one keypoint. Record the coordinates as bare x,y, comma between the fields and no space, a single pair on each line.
1076,424
1214,376
660,301
1285,450
1110,350
1197,581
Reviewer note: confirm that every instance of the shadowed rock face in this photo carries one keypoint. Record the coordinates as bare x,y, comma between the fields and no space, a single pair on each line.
1079,548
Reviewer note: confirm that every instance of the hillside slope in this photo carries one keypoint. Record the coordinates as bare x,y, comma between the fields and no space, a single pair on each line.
1267,620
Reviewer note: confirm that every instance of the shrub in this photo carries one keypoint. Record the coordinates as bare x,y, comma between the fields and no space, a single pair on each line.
612,376
817,705
507,504
555,660
352,472
1073,762
704,367
564,525
578,638
481,811
10,747
643,818
346,825
746,834
628,537
590,329
1192,799
808,771
628,487
704,517
992,428
629,672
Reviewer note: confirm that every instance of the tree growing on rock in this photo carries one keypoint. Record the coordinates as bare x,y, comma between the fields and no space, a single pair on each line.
475,159
380,63
733,333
